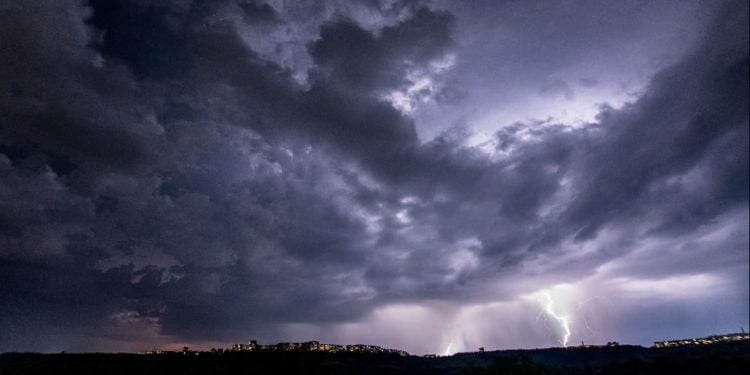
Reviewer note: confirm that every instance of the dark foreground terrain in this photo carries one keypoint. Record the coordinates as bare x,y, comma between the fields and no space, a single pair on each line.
723,358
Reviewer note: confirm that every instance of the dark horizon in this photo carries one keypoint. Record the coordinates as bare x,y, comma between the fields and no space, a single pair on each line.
427,175
345,347
723,358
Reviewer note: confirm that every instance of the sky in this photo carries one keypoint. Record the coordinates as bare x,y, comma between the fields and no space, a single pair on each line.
428,176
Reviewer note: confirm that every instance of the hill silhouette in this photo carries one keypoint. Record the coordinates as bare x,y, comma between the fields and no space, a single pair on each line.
721,358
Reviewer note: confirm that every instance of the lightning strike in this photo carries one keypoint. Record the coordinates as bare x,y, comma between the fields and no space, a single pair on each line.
547,304
585,320
448,350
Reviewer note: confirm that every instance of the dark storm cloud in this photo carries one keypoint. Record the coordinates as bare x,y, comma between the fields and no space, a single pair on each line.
156,46
351,57
670,131
165,173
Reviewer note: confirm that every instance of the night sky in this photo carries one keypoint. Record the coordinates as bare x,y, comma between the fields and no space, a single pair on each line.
429,176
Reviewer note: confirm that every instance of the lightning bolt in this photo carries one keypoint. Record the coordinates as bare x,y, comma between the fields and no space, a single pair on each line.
448,350
585,321
547,302
584,315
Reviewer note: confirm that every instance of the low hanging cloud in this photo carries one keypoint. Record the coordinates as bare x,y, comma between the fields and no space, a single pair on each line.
184,180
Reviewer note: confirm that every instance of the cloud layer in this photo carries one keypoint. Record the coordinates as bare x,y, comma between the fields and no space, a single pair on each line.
210,172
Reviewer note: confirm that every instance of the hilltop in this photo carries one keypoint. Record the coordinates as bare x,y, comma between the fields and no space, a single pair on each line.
719,358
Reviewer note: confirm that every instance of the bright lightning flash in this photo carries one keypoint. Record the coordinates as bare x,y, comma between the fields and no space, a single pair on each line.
547,303
449,349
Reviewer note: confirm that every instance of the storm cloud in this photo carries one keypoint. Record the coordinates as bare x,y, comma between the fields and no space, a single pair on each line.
203,173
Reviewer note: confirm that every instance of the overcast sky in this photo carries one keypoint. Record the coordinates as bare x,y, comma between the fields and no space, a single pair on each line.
429,176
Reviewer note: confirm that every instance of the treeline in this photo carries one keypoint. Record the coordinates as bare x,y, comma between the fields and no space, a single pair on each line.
727,358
